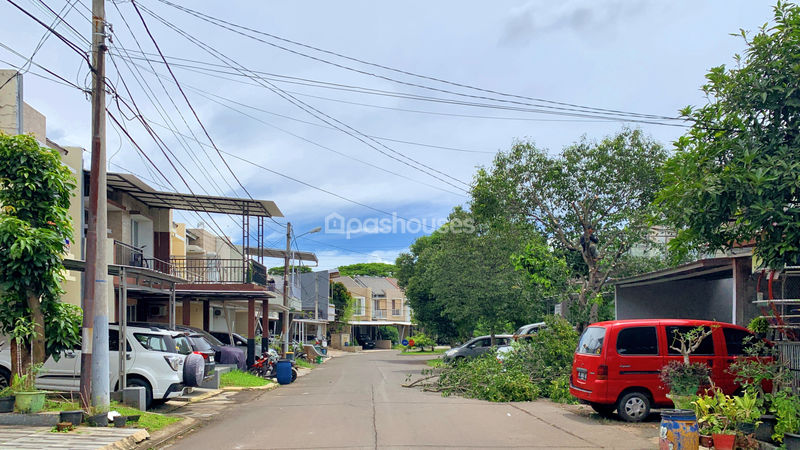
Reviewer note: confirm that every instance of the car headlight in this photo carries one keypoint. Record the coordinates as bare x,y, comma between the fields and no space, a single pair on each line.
174,361
450,353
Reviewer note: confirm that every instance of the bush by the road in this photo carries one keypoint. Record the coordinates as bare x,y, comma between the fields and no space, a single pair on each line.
538,368
421,341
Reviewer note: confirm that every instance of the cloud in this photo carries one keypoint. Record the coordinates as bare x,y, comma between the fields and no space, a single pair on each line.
579,16
332,259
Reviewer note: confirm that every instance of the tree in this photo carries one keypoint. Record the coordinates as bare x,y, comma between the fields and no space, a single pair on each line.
591,191
35,191
368,269
734,177
343,304
278,270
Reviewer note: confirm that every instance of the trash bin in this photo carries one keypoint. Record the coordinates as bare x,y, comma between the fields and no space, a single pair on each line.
678,430
284,371
290,356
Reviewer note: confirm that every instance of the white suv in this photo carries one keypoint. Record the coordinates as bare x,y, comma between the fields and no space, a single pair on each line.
159,360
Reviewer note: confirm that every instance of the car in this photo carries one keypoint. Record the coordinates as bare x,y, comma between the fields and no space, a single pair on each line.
161,361
503,352
476,346
238,340
617,363
365,341
223,354
526,331
197,340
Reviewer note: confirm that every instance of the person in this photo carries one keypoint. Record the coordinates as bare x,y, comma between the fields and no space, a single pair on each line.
589,242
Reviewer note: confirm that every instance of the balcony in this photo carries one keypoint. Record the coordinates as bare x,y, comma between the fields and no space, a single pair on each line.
378,313
128,255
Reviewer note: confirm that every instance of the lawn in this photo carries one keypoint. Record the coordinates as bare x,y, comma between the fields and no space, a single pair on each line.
306,364
437,351
147,420
238,378
437,362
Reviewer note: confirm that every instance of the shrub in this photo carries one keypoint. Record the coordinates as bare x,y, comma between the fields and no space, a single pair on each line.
421,341
684,379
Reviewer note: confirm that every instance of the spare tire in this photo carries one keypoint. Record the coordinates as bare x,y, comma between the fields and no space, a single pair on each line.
193,368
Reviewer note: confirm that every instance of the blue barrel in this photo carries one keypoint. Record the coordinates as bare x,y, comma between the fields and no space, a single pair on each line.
284,371
678,430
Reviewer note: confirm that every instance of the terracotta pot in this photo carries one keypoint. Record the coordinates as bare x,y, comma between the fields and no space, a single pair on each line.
706,440
724,441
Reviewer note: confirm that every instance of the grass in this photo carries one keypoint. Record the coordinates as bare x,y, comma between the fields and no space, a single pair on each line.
435,362
424,352
306,364
238,378
147,420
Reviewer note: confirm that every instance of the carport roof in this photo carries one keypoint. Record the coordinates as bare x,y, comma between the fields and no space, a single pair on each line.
709,268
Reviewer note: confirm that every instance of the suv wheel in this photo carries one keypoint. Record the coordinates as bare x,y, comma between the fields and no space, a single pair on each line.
148,391
193,370
633,406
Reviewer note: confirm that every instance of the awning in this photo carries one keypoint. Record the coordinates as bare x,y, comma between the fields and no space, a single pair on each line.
114,269
281,253
139,190
705,268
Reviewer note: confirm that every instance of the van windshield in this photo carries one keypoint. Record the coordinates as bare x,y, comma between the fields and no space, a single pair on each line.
591,342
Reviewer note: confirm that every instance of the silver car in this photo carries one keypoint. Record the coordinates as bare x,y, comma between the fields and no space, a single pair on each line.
476,346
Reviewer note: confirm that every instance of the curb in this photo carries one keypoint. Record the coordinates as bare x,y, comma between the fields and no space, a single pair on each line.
166,433
205,396
129,442
267,387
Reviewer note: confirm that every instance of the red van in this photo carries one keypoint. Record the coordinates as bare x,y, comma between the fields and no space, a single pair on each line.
617,363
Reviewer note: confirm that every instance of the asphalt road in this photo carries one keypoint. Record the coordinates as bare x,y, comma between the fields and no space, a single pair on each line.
357,401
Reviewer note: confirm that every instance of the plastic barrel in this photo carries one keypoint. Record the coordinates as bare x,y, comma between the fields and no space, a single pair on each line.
284,371
290,356
678,430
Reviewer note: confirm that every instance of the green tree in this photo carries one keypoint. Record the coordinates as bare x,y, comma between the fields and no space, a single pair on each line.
278,270
343,304
368,269
734,177
35,191
607,185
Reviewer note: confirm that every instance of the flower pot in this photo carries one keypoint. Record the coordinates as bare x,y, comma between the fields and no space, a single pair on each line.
724,441
7,404
64,426
98,420
73,417
746,428
134,418
29,402
120,421
706,440
791,441
681,401
765,429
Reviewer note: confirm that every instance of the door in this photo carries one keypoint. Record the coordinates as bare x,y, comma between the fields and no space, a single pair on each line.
62,375
705,353
113,357
478,346
634,361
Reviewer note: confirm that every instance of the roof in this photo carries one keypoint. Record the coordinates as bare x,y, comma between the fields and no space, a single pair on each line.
281,253
136,188
379,285
709,268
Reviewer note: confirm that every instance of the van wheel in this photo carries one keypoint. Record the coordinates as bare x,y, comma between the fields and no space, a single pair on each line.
633,406
148,391
603,410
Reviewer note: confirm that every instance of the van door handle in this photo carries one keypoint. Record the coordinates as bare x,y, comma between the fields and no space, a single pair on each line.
624,366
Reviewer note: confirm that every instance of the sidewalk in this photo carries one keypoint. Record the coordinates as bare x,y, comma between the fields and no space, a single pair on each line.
12,437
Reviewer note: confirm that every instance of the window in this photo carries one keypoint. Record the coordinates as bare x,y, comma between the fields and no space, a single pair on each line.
359,306
737,340
182,345
706,347
396,305
637,341
113,341
591,342
153,342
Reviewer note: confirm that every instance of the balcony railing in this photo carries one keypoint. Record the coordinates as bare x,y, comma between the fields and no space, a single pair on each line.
218,270
395,312
128,255
378,313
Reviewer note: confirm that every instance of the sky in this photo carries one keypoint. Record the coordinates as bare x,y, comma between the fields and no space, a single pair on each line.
374,171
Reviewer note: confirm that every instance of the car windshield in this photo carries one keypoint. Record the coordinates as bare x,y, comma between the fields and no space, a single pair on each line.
211,339
182,345
199,343
154,342
591,342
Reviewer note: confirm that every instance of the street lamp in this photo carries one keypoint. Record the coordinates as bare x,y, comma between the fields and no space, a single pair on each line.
286,280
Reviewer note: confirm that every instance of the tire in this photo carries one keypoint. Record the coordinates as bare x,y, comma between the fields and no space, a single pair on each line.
148,391
634,406
193,369
603,410
294,374
5,378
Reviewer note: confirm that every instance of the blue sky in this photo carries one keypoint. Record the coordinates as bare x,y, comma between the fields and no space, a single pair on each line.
633,55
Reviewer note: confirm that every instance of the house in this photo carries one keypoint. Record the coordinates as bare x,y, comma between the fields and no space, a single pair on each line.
379,301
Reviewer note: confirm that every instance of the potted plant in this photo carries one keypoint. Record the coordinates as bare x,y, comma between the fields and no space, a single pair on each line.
786,408
707,420
683,381
759,326
726,415
7,400
28,399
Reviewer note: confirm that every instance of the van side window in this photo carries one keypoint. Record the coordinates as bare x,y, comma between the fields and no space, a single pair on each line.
735,340
706,347
637,341
591,342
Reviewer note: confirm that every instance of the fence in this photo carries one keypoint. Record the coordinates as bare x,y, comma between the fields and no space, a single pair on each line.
790,352
217,270
128,255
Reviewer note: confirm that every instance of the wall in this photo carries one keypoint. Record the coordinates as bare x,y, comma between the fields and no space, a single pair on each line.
9,100
680,299
72,284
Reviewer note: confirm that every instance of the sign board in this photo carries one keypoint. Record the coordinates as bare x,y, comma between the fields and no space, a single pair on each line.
404,342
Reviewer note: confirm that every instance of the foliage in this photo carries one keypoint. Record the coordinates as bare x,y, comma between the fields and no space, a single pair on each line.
607,185
484,378
35,191
759,325
786,408
242,379
720,413
389,333
421,341
762,364
343,304
684,379
368,269
278,270
734,178
25,382
688,342
63,330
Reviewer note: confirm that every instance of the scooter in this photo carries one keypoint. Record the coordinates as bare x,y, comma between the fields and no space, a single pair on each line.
267,366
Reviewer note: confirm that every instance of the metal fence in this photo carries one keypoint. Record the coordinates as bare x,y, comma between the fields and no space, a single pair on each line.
790,352
217,270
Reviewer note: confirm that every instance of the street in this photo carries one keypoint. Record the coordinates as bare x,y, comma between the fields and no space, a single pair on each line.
357,401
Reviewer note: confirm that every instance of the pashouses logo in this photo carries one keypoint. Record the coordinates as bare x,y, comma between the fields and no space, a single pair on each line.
336,223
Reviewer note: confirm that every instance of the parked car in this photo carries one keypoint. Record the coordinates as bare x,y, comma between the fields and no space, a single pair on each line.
365,341
617,363
223,354
197,341
475,347
161,361
503,353
526,331
238,340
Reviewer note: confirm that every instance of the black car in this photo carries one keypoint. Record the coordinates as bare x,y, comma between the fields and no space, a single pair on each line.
365,341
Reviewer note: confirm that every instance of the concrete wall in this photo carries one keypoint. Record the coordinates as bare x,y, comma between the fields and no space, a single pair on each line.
9,101
681,299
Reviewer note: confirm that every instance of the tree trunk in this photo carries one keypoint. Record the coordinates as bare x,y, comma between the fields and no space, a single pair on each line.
19,365
37,341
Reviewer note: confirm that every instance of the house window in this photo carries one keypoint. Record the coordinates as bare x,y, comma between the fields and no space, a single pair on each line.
396,303
359,306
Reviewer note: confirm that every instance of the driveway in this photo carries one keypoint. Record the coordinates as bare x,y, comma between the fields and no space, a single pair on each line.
357,401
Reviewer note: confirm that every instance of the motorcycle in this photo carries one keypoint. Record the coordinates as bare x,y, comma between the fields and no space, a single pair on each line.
266,366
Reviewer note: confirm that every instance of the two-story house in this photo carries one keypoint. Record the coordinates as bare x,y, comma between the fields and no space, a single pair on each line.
379,301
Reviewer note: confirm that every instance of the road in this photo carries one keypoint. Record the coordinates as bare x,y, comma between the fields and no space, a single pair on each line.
357,401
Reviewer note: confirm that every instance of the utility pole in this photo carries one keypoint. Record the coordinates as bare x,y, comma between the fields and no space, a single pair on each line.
94,354
286,288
